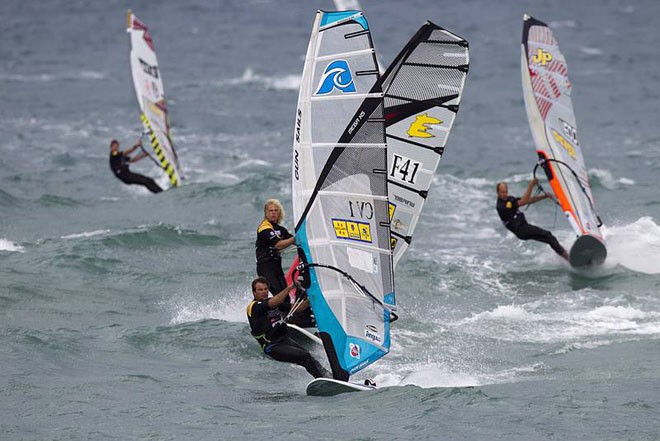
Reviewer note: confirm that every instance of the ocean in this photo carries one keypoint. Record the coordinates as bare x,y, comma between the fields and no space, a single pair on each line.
122,313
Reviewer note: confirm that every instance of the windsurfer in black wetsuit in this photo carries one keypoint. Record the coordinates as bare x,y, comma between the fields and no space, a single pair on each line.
119,161
271,238
514,220
269,328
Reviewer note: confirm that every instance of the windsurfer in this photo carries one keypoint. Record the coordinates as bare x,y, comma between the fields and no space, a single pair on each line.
514,220
271,238
119,161
269,328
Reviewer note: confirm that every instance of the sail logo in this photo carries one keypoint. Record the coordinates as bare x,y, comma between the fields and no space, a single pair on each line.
542,57
352,230
371,332
149,69
337,75
354,350
419,127
564,143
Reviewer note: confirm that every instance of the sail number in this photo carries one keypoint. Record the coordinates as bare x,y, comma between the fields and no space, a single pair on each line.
361,209
569,131
404,169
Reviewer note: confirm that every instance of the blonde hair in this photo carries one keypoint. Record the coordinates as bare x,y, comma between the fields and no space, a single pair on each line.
279,206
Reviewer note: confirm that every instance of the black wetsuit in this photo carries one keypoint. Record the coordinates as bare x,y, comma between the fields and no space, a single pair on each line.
514,220
119,166
269,261
270,330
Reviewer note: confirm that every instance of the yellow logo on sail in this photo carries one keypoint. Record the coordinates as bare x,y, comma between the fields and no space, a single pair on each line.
418,129
542,57
564,143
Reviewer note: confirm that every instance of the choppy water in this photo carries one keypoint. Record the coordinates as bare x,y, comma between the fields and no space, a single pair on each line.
122,313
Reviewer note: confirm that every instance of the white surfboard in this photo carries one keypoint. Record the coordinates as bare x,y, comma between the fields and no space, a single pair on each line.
328,387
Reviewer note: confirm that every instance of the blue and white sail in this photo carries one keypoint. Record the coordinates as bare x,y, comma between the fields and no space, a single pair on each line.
148,83
340,205
423,88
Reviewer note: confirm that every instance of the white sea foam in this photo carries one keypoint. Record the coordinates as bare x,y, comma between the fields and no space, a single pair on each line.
190,309
86,234
590,50
48,77
607,180
635,246
282,82
530,323
8,245
562,24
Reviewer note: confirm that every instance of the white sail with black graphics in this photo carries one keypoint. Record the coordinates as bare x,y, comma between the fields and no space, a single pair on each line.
340,201
423,88
148,84
547,93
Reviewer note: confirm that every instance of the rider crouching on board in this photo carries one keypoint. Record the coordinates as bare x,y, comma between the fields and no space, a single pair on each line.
514,220
268,327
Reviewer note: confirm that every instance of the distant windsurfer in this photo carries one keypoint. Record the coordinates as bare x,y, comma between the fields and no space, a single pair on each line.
514,220
119,161
268,327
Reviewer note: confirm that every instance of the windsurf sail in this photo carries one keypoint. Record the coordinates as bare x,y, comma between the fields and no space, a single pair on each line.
148,85
547,93
423,88
339,188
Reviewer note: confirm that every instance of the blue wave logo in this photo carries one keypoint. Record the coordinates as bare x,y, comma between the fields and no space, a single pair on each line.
336,76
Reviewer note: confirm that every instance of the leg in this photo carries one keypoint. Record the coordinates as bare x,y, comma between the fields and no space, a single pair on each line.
291,352
138,179
527,232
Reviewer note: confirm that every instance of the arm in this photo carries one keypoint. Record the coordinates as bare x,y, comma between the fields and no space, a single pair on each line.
527,198
132,149
136,158
283,243
279,298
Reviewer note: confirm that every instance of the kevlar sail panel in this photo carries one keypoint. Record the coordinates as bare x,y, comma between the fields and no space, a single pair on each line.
423,88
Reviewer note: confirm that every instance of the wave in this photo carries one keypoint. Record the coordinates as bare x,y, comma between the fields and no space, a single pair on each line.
634,246
49,77
160,235
531,323
86,234
605,178
190,309
8,245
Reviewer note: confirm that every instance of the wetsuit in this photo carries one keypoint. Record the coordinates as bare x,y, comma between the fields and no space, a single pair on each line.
269,261
270,330
119,166
514,220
